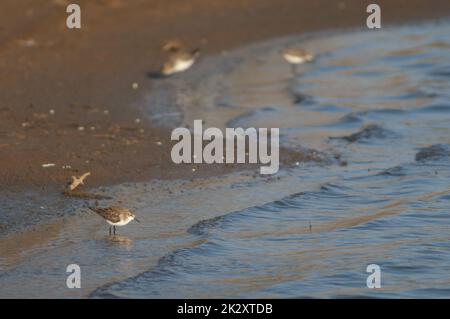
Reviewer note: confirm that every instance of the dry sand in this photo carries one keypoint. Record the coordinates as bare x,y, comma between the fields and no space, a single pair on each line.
83,74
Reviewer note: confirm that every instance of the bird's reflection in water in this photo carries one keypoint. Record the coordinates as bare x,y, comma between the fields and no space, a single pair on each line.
120,240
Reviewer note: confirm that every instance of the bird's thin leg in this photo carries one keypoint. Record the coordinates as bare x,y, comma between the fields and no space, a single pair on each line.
294,69
109,230
114,227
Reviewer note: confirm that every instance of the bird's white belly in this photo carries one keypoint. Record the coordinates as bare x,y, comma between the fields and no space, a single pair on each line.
121,223
294,59
182,65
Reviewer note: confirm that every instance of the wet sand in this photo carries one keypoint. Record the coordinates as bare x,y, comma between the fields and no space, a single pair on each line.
84,77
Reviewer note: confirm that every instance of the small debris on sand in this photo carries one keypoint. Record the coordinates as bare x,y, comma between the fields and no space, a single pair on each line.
135,86
48,165
76,181
27,43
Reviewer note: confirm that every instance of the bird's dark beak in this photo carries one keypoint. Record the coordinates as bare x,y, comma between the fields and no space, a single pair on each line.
137,220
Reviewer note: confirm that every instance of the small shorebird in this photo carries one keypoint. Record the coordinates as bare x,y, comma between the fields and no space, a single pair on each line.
115,216
179,61
296,56
76,181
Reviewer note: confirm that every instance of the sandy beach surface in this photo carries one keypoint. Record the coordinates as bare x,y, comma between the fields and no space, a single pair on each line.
67,96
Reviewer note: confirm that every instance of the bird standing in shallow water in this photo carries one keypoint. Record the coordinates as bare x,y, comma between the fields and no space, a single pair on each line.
115,216
296,56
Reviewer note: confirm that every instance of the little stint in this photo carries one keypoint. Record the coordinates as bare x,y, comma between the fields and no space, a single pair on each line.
179,61
115,216
296,56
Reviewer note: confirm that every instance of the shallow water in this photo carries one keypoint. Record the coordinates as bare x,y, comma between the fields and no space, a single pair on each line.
379,100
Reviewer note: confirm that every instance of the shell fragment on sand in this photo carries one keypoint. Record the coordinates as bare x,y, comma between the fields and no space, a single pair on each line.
76,181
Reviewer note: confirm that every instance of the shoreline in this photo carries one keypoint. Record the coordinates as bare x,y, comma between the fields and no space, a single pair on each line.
65,92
